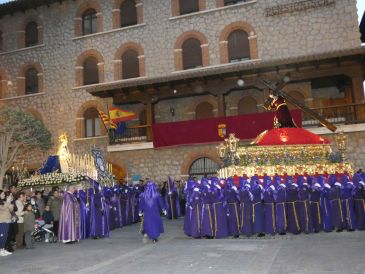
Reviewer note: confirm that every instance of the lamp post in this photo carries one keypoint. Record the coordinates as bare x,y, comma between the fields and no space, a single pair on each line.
341,141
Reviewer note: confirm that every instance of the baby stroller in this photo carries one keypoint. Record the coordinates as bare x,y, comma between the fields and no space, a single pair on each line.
40,230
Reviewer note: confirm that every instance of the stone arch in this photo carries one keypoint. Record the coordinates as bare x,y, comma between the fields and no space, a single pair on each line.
116,13
80,127
209,99
21,31
252,105
299,96
175,6
178,47
21,77
191,157
118,59
241,25
3,84
79,65
88,4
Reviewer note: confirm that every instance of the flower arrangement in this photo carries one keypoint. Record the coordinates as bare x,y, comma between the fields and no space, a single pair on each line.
52,179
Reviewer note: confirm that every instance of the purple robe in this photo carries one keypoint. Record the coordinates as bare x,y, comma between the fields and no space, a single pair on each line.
316,212
233,211
347,201
115,201
96,216
359,203
219,215
338,221
105,227
188,192
207,219
124,208
151,205
280,210
258,214
84,214
326,210
246,209
270,216
292,212
304,212
195,214
69,223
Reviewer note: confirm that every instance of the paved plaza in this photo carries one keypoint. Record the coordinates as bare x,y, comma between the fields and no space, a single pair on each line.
125,252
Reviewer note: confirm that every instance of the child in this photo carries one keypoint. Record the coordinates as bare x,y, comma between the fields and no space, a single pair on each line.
48,220
29,220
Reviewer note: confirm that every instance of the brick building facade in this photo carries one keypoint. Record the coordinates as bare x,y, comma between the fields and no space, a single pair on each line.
59,59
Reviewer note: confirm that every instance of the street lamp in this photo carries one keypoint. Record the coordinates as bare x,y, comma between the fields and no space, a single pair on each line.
221,149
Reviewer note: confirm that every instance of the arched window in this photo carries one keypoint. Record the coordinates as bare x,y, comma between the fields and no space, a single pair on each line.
31,81
130,64
91,72
232,2
247,105
92,123
89,22
297,96
204,111
203,167
188,6
238,46
192,54
128,13
31,34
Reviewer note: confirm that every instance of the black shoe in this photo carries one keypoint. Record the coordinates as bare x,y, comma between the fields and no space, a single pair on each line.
282,233
154,241
10,249
236,236
261,234
339,230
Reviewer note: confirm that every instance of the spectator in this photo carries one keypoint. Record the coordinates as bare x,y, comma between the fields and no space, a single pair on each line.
48,220
55,204
13,226
5,219
29,221
39,202
19,211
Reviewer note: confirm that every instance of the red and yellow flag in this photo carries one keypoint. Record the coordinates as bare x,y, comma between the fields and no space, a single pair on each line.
108,123
118,115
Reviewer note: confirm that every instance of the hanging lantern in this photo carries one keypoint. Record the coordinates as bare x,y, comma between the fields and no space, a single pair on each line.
232,142
221,149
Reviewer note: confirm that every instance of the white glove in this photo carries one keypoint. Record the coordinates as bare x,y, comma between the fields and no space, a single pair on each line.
165,212
140,214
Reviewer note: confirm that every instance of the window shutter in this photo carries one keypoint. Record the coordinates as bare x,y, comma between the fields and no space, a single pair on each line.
188,6
238,46
128,13
91,72
31,81
130,64
192,54
31,34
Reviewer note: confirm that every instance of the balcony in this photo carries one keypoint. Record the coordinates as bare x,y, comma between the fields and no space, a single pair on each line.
340,114
246,127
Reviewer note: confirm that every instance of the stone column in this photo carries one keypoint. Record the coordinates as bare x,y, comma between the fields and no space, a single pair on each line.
149,119
175,9
40,82
117,69
21,39
78,26
116,18
205,55
79,81
20,82
40,34
223,48
101,72
178,59
141,64
99,19
139,8
4,89
221,105
253,45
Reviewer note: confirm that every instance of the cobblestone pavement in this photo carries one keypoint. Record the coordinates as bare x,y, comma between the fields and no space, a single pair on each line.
125,252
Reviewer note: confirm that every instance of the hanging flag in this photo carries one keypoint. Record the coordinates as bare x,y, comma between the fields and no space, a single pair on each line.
106,121
118,115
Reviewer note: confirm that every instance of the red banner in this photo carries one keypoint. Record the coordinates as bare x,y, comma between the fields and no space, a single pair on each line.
206,130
